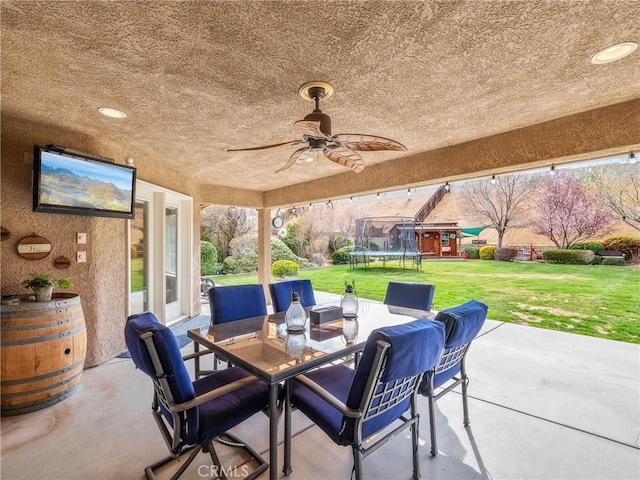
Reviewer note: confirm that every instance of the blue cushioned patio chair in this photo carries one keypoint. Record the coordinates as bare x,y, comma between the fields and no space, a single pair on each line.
410,298
352,406
281,294
236,302
192,415
462,325
231,303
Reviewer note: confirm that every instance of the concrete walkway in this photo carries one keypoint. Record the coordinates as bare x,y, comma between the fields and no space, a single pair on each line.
544,405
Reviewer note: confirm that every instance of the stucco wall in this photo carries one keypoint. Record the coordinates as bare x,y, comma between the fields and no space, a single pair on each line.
102,281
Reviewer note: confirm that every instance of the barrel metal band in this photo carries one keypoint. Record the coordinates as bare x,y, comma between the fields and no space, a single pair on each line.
37,378
35,326
42,389
46,338
34,405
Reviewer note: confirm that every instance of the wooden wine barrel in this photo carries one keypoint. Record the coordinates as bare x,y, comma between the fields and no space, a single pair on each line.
43,345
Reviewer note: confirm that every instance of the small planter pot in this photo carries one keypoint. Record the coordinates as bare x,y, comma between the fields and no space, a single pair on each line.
43,294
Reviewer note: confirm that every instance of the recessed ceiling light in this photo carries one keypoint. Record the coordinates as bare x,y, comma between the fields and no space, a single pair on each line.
613,53
111,112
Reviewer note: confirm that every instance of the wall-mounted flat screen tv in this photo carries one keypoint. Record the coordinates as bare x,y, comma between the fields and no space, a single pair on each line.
75,184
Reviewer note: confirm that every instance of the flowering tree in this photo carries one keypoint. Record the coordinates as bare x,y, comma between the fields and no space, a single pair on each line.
499,202
567,213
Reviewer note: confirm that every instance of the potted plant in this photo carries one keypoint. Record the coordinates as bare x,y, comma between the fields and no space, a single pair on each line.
43,284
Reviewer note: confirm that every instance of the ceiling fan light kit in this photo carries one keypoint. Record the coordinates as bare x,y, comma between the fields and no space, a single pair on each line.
316,135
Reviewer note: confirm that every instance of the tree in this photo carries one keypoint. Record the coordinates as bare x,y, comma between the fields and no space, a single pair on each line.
220,225
567,213
499,204
618,187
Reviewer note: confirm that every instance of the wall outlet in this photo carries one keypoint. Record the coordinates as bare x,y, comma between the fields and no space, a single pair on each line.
81,257
82,238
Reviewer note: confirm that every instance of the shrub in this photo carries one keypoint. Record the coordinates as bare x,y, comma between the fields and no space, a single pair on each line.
568,257
472,252
505,254
487,252
630,246
284,268
208,258
596,260
615,261
595,247
341,257
230,264
338,241
279,251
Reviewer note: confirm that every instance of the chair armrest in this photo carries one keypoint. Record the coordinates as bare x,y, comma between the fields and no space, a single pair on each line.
193,355
200,399
326,396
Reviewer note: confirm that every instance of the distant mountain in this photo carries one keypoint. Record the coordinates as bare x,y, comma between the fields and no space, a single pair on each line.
60,186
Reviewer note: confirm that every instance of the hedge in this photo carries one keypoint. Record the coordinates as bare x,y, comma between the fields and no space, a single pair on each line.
614,261
568,257
595,247
487,252
472,252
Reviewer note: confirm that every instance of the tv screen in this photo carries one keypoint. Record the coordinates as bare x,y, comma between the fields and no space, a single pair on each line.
75,184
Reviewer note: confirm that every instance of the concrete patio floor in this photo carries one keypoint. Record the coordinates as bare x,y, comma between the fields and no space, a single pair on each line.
543,405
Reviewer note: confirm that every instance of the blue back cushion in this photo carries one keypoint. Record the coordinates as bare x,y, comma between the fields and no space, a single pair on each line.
410,295
415,347
236,302
170,360
281,294
462,323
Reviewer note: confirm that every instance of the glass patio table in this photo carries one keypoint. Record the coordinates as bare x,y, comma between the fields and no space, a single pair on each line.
263,347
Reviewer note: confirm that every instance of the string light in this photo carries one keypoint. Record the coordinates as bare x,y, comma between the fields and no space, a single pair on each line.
553,169
408,192
350,199
493,179
446,187
378,195
632,158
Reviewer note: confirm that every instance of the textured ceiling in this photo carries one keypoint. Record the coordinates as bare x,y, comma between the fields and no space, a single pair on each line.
196,78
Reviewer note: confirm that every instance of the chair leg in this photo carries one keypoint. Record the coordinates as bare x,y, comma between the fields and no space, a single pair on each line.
432,424
414,445
219,470
357,462
465,403
237,442
150,469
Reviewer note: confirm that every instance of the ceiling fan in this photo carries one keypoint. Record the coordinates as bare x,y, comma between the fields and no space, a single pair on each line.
316,136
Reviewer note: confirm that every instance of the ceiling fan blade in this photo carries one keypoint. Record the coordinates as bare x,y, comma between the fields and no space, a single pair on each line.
293,142
293,158
345,157
309,127
356,141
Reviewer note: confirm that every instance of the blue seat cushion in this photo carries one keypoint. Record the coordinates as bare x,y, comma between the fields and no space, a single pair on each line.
170,359
236,302
281,294
336,379
410,295
225,412
414,348
462,323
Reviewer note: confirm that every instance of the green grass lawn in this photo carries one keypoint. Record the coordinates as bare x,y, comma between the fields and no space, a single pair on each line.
596,300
